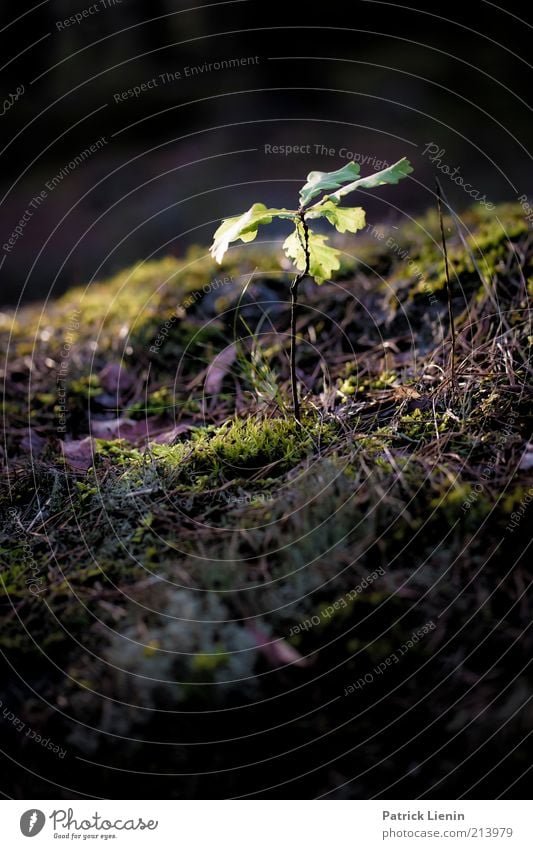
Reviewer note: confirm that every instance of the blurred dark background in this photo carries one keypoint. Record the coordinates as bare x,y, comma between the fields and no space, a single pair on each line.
377,79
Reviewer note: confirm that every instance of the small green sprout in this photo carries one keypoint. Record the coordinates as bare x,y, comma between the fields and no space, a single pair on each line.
309,251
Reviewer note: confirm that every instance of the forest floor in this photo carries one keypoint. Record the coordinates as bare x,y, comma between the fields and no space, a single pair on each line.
201,597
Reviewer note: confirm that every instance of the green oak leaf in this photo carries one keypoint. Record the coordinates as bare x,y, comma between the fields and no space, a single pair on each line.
323,259
244,227
392,174
344,218
321,181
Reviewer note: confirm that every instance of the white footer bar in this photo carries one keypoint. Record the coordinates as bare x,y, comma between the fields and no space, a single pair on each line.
266,824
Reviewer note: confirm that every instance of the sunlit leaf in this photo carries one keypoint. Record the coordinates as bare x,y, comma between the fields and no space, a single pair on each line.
322,181
392,174
244,227
344,218
323,259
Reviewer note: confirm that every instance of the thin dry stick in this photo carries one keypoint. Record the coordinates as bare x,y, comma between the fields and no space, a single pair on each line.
448,284
471,254
294,301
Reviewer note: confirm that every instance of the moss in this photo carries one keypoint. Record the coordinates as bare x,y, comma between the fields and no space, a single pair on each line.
259,443
85,387
353,385
462,502
208,663
517,497
235,450
118,450
487,234
160,401
127,311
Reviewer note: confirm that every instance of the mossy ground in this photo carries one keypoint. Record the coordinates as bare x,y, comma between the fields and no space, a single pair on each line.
161,553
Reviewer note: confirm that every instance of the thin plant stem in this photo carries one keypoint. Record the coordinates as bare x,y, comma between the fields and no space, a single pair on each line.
304,237
448,283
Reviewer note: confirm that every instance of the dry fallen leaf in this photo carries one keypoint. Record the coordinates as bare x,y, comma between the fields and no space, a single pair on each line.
115,379
276,650
526,462
33,443
153,429
79,453
218,370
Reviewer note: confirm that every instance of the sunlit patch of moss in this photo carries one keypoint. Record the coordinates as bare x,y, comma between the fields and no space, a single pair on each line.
86,490
44,399
150,649
160,401
209,663
134,295
354,385
40,586
18,570
374,444
118,450
462,502
143,528
517,497
416,425
236,449
488,239
422,425
85,387
261,443
81,391
126,312
341,609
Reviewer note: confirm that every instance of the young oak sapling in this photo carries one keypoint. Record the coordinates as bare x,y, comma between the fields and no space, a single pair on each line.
309,251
